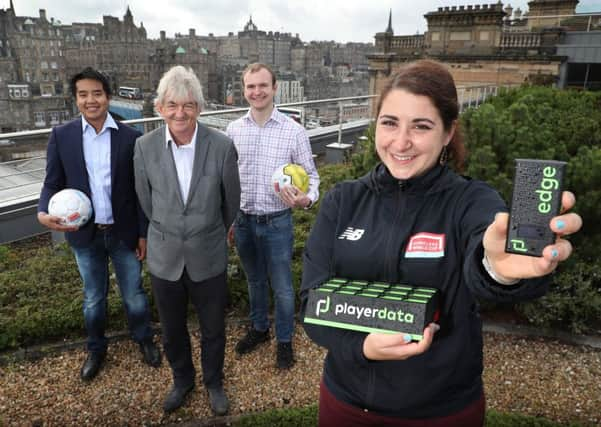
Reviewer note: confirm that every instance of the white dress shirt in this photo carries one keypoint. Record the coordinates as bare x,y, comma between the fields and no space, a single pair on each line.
183,156
97,155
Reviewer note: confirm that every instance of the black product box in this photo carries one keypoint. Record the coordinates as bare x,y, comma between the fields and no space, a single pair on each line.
373,307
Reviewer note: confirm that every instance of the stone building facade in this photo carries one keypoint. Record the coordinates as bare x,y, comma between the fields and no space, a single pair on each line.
268,47
289,89
38,55
482,44
33,71
553,11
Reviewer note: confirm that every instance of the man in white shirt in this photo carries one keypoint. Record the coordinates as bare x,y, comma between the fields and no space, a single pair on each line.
94,154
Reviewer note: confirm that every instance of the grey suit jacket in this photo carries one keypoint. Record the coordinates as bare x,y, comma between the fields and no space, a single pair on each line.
191,233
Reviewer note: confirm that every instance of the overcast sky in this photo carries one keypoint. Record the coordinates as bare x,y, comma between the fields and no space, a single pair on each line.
339,20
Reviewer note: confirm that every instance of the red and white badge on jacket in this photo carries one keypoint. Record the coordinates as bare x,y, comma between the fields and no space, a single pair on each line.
425,245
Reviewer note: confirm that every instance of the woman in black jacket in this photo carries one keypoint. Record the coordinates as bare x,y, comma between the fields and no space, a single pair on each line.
368,229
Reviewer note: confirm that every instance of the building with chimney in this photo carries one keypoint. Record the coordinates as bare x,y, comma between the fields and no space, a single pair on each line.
487,44
33,90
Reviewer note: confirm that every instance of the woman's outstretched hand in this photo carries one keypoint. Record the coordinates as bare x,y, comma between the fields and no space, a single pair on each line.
512,266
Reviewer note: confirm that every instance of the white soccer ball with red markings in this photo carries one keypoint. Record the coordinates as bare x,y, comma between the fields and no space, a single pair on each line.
290,174
72,206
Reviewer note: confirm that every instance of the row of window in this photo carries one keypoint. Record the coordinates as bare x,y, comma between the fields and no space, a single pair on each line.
18,92
23,91
44,65
24,42
40,31
51,118
36,53
46,77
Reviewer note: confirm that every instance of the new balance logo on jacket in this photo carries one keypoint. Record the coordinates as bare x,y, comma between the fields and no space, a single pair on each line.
352,234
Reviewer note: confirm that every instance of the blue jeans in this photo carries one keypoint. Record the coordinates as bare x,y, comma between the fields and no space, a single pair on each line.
265,249
92,262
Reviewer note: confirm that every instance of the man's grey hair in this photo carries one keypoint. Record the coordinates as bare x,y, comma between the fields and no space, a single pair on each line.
179,84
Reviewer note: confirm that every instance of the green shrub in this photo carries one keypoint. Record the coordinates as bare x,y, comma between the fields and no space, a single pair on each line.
292,417
500,419
574,301
307,417
41,298
546,123
4,253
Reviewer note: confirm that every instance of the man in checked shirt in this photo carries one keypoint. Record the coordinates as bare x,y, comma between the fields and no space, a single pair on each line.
263,231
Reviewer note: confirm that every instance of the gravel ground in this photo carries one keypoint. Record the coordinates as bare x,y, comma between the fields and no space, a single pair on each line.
537,377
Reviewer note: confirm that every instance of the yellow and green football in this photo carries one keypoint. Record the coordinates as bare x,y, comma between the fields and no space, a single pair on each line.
290,174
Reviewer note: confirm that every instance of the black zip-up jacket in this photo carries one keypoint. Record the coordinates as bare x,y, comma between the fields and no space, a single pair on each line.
362,231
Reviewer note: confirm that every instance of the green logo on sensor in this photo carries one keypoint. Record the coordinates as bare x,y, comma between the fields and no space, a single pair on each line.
545,193
518,245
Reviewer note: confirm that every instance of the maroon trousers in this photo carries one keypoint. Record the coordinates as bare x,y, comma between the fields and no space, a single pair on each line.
334,413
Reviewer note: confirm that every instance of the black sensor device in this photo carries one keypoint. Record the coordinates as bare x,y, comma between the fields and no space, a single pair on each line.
537,188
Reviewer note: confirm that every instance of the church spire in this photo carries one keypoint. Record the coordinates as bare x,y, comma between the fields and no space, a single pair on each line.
389,29
250,25
128,17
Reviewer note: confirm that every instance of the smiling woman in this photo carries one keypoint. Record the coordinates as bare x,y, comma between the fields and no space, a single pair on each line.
410,135
411,199
417,121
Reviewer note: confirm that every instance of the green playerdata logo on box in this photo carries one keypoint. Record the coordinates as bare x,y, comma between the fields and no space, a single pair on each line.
373,306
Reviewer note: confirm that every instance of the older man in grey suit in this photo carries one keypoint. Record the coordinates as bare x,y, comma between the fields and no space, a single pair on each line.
188,185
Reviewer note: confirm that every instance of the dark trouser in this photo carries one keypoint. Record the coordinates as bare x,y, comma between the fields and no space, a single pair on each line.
92,262
209,299
335,413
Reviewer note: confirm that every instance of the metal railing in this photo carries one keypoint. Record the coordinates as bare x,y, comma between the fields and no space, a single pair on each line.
522,39
12,170
474,96
152,120
469,96
21,180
